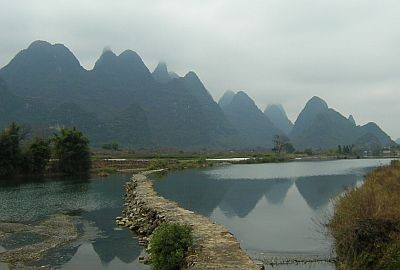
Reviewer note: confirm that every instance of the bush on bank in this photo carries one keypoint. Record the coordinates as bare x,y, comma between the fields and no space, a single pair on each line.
18,155
169,246
366,223
72,150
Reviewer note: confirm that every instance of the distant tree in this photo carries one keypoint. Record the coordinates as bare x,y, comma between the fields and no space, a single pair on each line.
308,151
38,155
346,149
289,148
279,143
72,150
282,144
111,146
10,151
340,149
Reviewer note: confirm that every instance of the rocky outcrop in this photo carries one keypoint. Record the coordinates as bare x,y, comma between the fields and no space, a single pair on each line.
214,247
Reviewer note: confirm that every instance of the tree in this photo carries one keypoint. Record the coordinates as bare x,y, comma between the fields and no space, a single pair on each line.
308,151
282,143
169,245
10,151
111,146
72,150
38,155
289,148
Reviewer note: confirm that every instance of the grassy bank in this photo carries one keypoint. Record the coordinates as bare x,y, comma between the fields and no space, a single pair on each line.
108,162
366,223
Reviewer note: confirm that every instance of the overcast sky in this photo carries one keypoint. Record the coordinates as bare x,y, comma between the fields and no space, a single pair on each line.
278,51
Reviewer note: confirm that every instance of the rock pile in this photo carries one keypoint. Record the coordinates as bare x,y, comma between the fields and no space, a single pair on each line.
214,248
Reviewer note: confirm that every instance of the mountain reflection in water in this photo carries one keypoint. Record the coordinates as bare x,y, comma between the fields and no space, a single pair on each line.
94,202
266,206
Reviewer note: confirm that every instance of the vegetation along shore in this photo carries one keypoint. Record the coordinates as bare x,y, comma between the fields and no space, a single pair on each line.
366,223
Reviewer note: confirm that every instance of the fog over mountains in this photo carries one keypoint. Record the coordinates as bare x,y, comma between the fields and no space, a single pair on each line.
120,100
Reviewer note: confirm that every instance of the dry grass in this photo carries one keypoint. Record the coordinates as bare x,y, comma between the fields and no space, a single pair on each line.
366,223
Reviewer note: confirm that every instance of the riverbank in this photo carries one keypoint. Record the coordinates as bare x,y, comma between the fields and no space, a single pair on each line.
366,222
214,247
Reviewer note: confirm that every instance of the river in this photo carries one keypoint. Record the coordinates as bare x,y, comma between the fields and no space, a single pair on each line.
275,210
94,204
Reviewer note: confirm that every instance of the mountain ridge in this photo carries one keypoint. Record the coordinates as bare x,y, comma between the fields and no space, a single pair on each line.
277,114
46,87
256,129
320,127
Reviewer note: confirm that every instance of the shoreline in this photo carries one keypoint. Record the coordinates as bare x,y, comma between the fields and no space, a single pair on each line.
214,248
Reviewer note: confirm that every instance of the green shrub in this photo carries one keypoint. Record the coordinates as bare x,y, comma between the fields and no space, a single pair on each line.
156,164
169,245
38,155
10,150
110,146
72,150
395,162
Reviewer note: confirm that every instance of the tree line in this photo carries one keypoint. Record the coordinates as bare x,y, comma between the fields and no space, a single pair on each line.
69,148
345,149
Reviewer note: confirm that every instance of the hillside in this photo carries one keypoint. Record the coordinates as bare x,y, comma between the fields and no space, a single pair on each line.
252,124
277,114
118,94
120,101
320,127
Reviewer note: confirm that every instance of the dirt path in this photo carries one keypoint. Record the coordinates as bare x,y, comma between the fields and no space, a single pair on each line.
215,247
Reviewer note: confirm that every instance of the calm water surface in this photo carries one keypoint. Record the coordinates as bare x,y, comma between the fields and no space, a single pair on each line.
274,210
95,203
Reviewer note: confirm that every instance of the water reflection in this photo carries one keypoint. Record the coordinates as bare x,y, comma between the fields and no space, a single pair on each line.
276,194
120,245
238,197
270,208
317,191
94,202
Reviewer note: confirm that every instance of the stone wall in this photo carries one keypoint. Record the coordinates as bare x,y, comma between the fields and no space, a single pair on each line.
214,247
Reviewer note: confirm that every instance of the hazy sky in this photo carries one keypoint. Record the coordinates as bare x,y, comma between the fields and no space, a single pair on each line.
278,51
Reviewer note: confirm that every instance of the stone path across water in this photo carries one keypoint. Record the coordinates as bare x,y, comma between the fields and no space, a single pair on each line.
215,247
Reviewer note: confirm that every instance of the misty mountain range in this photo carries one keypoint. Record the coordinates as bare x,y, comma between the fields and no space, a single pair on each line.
120,100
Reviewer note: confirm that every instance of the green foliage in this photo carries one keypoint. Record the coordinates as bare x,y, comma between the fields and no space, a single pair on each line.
202,161
106,171
308,151
10,151
110,146
38,155
282,144
71,147
169,246
156,164
345,149
289,148
72,150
